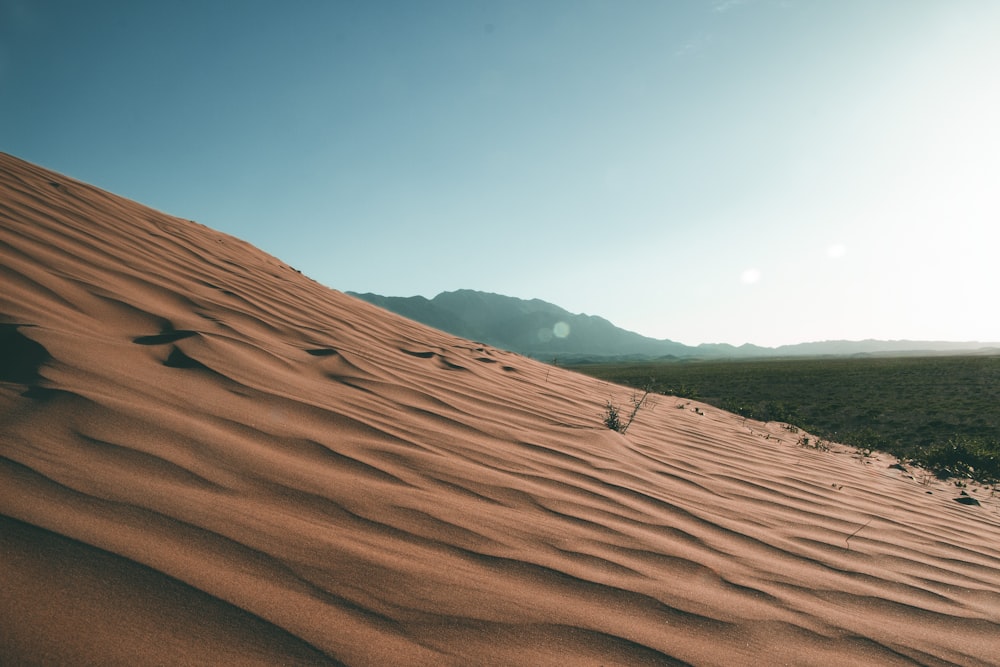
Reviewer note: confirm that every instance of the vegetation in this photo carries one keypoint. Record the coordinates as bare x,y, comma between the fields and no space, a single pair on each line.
612,416
940,412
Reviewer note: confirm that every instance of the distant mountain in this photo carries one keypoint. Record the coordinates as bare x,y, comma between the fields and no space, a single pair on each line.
885,348
533,327
545,331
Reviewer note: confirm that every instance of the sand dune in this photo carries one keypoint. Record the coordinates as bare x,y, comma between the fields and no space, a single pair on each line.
208,458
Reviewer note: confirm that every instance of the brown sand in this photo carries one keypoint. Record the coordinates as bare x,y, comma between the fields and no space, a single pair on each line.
208,458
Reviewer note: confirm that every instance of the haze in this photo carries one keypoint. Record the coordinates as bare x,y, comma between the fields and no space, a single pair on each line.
758,171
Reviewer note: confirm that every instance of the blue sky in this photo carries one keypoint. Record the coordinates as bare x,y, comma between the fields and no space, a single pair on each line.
764,171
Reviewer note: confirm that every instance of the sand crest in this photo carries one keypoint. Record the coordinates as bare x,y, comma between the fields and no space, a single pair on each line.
208,458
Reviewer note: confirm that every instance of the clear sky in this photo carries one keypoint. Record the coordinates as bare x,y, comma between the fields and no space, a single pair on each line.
764,171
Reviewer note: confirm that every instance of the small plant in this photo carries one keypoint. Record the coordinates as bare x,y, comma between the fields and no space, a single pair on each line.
612,414
611,418
819,444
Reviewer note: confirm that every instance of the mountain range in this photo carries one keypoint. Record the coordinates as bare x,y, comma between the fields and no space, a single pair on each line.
543,330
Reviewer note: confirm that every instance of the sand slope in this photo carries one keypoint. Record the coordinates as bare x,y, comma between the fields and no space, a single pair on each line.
208,458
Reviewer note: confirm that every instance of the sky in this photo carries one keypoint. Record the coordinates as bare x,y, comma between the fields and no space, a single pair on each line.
738,171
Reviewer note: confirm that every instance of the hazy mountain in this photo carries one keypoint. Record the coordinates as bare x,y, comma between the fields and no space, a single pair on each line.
543,330
533,327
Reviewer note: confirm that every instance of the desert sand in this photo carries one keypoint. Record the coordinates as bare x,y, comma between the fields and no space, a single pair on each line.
207,458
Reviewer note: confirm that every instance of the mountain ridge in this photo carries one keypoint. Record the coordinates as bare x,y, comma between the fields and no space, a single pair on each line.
532,327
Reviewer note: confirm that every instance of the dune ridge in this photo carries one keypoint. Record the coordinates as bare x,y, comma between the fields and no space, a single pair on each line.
209,458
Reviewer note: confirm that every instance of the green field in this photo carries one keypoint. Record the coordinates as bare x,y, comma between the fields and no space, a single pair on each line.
941,412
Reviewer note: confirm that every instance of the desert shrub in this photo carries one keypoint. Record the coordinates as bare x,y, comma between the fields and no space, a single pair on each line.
964,456
765,411
681,391
868,439
611,417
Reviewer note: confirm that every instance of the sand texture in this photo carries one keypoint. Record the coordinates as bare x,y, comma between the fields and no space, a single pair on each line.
207,458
